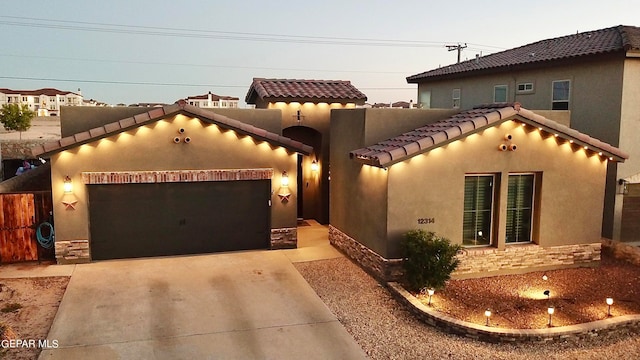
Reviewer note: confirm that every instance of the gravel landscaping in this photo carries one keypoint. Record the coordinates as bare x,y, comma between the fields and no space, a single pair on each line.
385,330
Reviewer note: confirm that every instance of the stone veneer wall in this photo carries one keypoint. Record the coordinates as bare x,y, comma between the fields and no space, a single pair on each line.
285,238
622,251
475,262
379,267
72,252
516,258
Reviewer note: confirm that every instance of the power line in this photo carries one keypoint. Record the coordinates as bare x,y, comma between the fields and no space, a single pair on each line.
212,34
116,82
195,65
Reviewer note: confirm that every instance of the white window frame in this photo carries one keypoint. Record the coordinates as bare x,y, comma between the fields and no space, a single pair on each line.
506,93
524,90
456,95
533,206
568,100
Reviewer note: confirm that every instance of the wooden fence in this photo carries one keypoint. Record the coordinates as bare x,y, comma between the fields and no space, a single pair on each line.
20,215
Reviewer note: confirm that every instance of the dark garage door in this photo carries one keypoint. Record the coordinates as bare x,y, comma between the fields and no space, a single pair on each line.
139,220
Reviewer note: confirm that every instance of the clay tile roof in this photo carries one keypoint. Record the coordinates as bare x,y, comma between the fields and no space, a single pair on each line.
614,39
38,92
304,91
465,123
156,114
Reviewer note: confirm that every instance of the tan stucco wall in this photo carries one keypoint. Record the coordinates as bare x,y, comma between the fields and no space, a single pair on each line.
571,189
151,147
359,193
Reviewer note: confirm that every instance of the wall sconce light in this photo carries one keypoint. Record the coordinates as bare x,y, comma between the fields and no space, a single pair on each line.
68,185
284,192
315,166
487,314
609,303
550,310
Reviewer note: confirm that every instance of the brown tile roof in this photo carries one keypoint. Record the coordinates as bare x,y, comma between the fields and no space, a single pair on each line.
468,122
156,114
214,97
614,39
38,92
330,91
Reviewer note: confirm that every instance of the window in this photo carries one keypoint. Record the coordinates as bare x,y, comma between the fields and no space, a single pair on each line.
478,210
455,95
500,93
24,98
560,97
525,87
425,99
36,99
52,99
61,99
519,208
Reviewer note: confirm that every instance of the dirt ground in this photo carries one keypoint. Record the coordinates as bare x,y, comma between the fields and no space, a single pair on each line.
37,302
518,301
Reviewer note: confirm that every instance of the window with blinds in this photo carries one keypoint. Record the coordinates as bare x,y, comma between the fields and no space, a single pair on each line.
519,208
478,210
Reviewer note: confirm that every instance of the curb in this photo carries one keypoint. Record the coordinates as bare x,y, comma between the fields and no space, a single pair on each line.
502,335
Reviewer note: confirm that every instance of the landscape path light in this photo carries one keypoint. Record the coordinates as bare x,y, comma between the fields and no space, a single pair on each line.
487,314
430,292
550,310
609,303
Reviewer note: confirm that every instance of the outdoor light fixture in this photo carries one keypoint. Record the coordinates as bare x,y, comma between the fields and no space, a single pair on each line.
284,181
315,166
545,277
487,313
430,292
550,310
284,192
68,185
609,303
548,294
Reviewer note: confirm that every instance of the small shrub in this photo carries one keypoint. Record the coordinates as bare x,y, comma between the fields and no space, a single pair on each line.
429,260
11,307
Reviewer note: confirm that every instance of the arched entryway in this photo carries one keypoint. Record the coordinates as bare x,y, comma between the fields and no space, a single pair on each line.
313,185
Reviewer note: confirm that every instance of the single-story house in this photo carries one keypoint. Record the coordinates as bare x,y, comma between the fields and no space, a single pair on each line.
518,191
173,180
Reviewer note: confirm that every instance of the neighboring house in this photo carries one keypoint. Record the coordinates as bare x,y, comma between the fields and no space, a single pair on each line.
518,191
594,74
171,180
44,102
212,101
306,107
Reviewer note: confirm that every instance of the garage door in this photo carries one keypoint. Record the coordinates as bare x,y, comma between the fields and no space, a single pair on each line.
139,220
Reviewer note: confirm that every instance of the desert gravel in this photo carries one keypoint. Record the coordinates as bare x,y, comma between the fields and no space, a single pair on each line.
385,330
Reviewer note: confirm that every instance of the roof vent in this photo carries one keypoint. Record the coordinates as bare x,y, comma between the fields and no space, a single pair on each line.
532,54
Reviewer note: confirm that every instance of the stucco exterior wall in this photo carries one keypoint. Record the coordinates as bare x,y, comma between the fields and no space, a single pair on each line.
597,105
150,148
570,189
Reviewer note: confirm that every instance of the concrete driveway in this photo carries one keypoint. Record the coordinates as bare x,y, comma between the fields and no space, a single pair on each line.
248,305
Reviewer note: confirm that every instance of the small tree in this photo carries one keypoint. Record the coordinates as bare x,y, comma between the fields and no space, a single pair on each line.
429,260
16,117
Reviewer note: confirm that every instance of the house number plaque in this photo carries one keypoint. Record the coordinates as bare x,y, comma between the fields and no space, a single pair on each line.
425,221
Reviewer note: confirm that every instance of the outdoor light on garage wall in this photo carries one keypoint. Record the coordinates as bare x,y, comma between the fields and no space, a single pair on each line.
284,181
315,166
284,192
68,185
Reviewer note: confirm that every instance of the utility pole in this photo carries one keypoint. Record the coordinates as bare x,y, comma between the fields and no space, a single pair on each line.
456,47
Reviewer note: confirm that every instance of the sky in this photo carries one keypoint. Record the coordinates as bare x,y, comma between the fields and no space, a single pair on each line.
160,51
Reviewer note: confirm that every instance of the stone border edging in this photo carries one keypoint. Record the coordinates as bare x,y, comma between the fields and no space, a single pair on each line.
502,335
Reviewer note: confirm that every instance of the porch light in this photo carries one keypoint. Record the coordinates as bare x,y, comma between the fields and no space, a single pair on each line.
284,181
487,314
430,292
609,303
550,310
68,185
315,166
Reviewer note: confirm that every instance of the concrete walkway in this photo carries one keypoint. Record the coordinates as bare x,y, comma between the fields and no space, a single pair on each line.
242,305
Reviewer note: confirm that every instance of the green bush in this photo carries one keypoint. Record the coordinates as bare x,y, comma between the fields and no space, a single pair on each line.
429,260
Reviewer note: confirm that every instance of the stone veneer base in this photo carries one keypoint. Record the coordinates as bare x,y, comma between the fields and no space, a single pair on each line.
476,262
284,238
72,251
503,335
